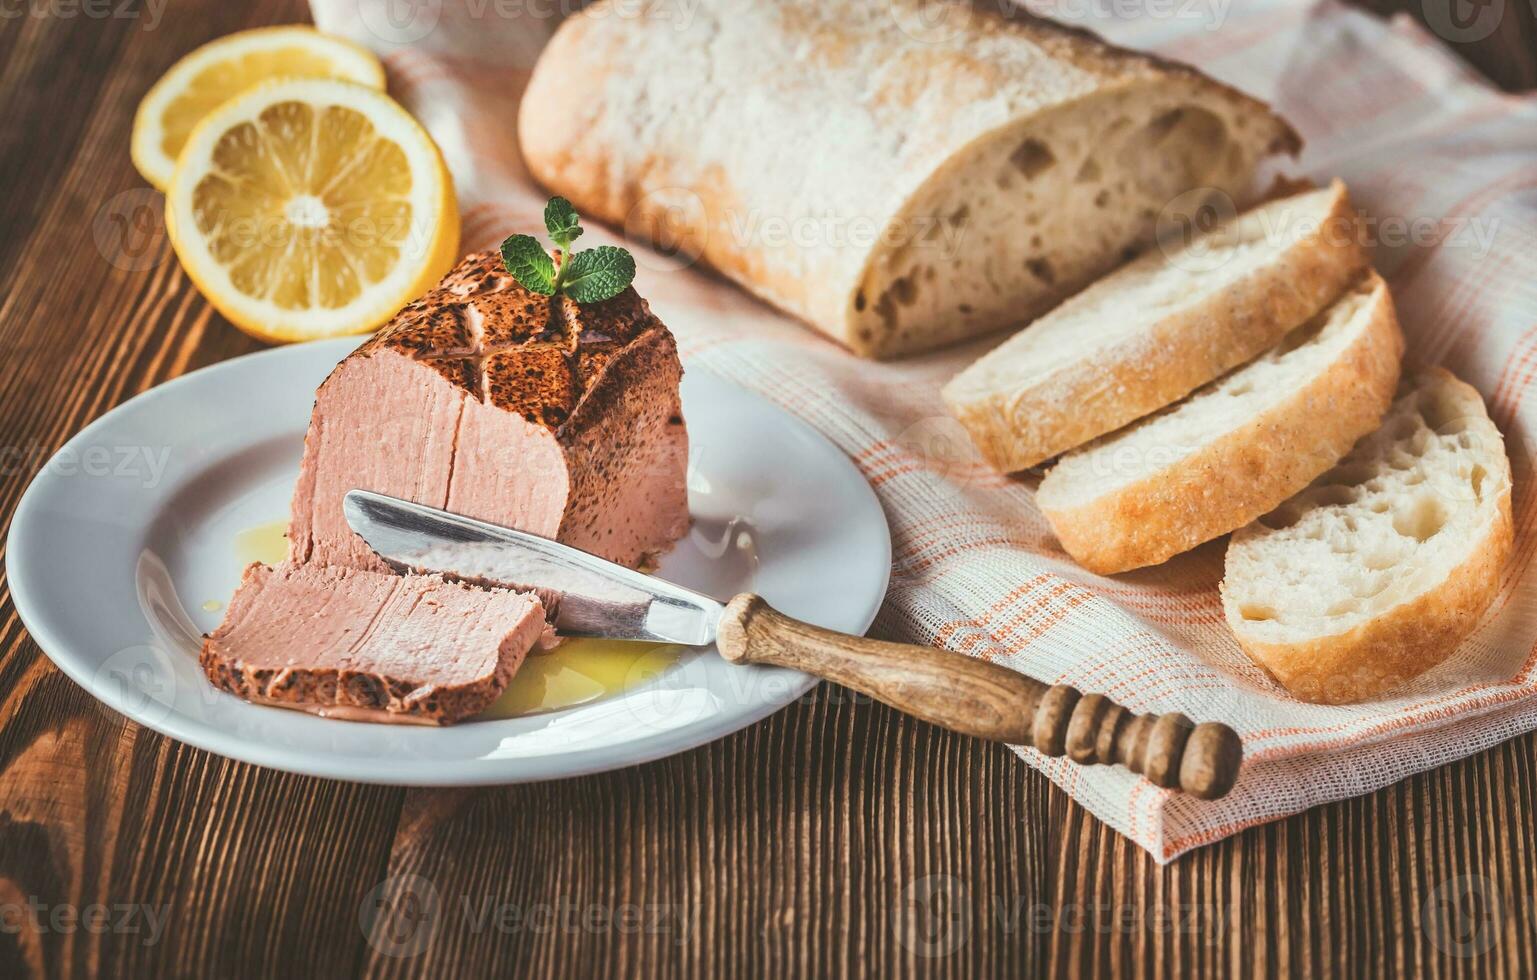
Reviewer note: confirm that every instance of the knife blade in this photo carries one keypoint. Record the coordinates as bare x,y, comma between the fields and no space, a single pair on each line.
592,596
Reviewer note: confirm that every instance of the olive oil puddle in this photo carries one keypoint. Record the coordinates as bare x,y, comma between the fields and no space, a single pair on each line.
266,543
577,672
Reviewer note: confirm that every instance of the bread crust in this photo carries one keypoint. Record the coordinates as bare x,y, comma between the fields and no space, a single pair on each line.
1246,473
1017,427
708,134
1408,638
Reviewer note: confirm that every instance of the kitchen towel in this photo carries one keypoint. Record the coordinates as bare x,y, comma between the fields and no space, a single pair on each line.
1445,168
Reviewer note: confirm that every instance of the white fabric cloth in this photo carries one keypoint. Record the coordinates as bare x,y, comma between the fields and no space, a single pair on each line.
1446,169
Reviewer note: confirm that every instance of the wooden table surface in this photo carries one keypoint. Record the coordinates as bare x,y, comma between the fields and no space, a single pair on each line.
835,837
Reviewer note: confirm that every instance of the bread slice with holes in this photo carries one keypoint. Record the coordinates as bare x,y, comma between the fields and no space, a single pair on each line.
1236,448
1375,573
1155,330
900,174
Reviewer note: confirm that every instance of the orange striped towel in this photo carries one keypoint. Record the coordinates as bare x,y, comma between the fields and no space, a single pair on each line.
1444,167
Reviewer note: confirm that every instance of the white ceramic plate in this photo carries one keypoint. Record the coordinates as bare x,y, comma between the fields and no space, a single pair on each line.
125,535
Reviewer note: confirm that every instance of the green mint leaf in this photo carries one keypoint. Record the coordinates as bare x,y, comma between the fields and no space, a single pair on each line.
529,264
598,274
561,221
587,277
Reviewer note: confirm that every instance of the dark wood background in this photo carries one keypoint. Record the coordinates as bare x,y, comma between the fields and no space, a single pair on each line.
836,837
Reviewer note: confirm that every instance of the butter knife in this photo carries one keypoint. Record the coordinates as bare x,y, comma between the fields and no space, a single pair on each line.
597,598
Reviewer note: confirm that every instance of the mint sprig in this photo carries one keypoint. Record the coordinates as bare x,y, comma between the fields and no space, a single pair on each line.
587,277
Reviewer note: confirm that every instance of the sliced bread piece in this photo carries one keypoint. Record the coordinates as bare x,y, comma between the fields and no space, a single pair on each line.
1233,450
1375,573
1157,329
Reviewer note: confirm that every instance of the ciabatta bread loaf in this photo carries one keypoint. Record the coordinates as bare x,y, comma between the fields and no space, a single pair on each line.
1376,572
1234,449
1157,329
900,174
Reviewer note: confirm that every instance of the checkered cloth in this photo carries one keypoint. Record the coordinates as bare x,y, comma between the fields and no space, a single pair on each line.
1445,168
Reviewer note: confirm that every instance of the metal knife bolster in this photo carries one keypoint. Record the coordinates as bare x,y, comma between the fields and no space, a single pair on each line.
594,596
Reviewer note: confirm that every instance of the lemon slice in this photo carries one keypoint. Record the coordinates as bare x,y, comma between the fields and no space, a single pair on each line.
220,69
310,207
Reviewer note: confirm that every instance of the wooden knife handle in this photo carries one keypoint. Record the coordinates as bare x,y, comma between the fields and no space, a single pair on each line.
977,698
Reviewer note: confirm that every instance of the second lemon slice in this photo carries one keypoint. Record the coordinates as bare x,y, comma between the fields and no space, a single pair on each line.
199,82
308,208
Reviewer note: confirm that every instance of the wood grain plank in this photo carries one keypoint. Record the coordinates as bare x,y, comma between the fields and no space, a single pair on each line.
836,838
598,876
93,810
31,50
